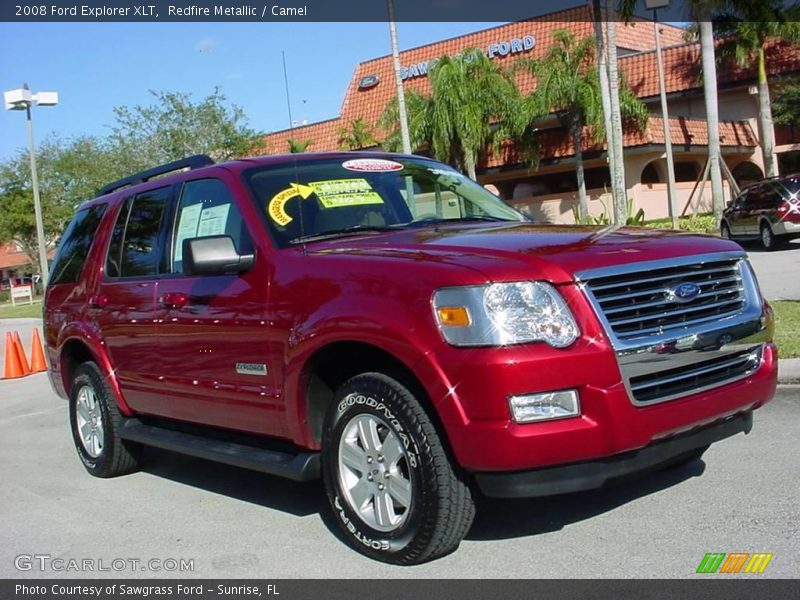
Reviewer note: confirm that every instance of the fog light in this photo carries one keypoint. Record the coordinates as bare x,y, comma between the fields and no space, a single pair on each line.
545,407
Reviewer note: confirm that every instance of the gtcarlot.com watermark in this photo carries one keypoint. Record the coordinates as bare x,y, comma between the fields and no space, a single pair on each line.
47,563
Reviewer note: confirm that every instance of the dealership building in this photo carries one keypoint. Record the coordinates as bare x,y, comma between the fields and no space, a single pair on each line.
549,192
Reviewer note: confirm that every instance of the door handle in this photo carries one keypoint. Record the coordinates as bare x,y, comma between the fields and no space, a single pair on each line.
99,301
174,300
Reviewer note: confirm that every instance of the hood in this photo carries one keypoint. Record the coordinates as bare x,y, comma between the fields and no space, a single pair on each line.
506,251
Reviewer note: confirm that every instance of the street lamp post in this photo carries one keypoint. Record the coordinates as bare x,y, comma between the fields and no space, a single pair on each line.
654,5
23,99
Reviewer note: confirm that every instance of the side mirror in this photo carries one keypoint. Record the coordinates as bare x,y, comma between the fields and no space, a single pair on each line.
214,255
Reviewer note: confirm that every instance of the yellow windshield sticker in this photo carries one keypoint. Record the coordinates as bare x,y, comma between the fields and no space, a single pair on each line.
337,193
332,193
276,207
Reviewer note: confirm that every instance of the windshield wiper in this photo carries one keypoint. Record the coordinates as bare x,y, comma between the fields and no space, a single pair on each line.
431,220
345,231
484,218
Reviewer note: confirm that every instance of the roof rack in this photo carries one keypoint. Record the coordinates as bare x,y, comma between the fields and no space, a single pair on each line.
192,162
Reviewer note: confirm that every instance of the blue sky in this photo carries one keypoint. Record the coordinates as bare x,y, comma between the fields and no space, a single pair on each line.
96,66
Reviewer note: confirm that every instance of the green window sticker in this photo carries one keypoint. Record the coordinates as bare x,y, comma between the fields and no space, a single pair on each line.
339,193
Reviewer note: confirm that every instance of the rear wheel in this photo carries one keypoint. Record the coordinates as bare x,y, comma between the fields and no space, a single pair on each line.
393,489
95,421
768,241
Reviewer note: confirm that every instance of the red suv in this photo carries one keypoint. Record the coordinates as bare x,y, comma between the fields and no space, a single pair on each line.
385,323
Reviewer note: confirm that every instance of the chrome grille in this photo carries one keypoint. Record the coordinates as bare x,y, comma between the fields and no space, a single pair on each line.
642,304
673,383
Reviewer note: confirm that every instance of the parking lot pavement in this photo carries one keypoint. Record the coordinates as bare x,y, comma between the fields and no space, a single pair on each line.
231,523
778,272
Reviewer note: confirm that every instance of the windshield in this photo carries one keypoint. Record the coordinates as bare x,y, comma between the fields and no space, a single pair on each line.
315,199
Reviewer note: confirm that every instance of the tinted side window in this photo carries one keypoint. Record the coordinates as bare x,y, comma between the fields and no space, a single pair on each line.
141,248
115,246
752,196
75,245
135,249
207,208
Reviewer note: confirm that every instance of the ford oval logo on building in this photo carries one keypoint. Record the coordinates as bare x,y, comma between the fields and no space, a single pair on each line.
685,292
370,81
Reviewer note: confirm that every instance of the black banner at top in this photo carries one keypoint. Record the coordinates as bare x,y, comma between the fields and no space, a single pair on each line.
155,11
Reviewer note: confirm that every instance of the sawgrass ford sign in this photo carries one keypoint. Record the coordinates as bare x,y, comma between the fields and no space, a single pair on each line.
495,50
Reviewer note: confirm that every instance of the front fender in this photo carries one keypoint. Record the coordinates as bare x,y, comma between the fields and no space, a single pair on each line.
383,324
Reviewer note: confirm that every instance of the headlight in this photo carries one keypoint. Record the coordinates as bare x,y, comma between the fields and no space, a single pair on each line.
501,314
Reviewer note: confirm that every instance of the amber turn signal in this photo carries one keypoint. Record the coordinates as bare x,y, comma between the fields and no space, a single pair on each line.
453,316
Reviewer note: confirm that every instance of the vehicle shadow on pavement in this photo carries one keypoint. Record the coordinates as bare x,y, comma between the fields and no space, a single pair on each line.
499,519
496,519
291,497
300,499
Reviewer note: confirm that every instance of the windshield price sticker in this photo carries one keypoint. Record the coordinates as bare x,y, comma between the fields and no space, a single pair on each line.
345,192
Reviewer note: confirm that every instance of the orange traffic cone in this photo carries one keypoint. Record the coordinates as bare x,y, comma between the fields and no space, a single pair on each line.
38,363
13,367
23,360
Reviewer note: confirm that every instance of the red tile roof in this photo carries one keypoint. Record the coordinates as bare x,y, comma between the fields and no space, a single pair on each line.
557,143
369,104
324,136
11,258
682,68
681,64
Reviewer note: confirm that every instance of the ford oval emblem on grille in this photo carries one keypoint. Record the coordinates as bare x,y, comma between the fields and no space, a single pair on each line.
684,292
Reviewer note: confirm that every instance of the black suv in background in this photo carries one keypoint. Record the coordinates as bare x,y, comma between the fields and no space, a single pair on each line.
768,211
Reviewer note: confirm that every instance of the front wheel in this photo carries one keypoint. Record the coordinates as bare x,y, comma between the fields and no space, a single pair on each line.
725,231
393,490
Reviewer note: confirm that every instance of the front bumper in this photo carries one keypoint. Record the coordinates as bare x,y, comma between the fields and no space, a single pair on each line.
576,477
635,390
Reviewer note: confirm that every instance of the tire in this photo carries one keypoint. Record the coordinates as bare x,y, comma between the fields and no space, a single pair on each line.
768,241
725,231
95,422
378,434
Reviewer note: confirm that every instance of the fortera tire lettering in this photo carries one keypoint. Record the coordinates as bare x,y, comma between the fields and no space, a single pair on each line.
348,523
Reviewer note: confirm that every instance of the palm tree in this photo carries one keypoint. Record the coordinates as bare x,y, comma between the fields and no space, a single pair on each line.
357,135
417,109
700,12
469,93
568,85
602,70
297,146
614,137
745,27
471,97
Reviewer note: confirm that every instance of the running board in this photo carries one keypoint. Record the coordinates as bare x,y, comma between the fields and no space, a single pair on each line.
303,466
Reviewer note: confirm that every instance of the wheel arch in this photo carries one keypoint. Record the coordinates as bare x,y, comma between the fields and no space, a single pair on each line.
78,349
333,364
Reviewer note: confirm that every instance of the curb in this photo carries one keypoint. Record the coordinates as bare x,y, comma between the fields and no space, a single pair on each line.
788,371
